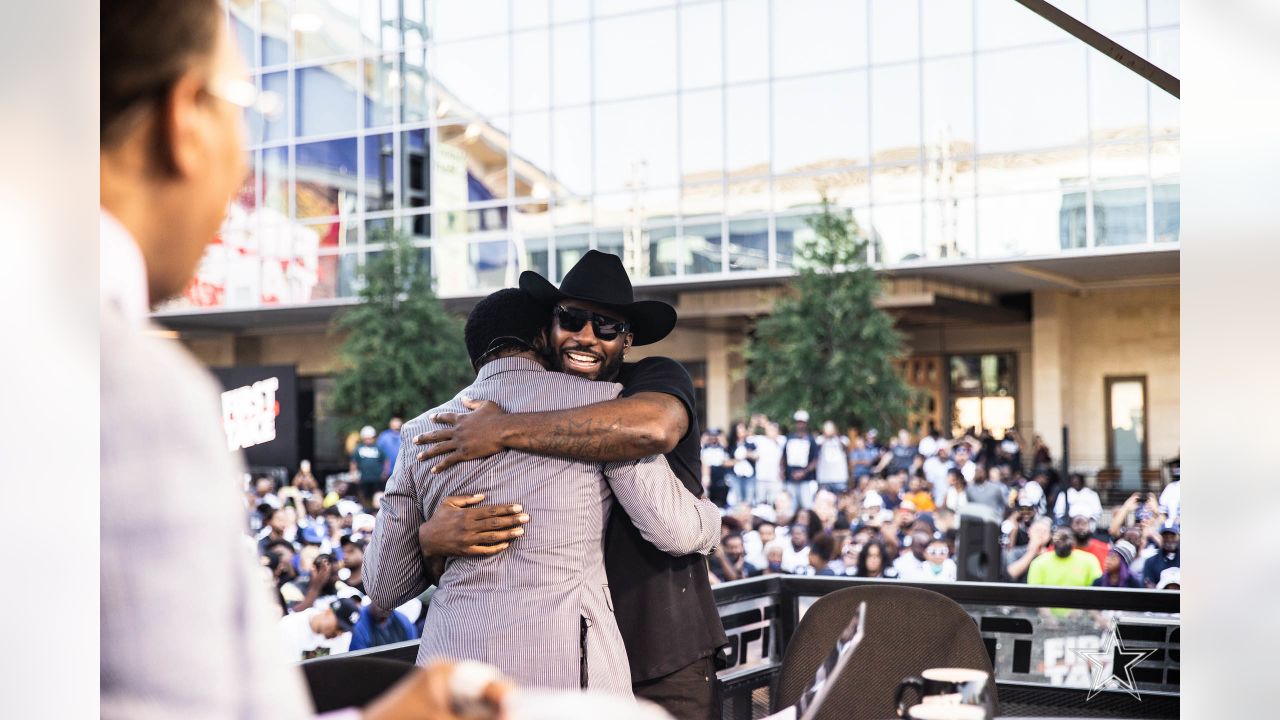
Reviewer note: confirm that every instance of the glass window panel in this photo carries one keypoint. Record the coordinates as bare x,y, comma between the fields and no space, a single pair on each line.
947,177
702,136
1117,95
416,188
818,35
966,374
418,226
1168,209
531,219
896,232
843,187
531,155
453,223
701,247
614,7
325,28
794,231
1005,24
747,38
636,208
947,27
472,154
379,172
748,244
820,122
948,107
379,231
327,98
1124,161
414,21
950,225
275,180
1165,108
1024,224
1166,159
531,70
244,20
414,86
382,79
1120,216
456,19
636,144
747,129
747,197
246,197
534,254
613,243
896,183
895,113
1126,449
702,198
278,128
998,415
571,151
1031,98
530,13
1114,16
571,64
1032,170
380,24
494,264
621,43
472,77
326,178
568,10
1163,12
660,252
895,31
1073,220
571,248
275,32
701,46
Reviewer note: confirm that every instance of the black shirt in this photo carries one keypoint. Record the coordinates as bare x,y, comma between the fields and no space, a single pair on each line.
663,604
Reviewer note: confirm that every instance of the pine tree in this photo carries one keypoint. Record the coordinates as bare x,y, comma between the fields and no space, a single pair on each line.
827,348
404,352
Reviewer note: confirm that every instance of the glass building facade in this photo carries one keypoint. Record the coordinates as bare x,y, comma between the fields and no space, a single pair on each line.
691,138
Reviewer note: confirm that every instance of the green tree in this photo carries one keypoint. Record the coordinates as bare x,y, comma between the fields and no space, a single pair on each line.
827,348
404,352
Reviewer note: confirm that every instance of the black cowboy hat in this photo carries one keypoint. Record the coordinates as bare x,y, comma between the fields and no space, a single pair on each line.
600,278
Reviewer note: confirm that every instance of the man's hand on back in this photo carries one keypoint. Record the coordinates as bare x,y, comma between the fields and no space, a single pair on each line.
473,435
458,529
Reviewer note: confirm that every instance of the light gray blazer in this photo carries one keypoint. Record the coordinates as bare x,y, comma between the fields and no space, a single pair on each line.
520,609
187,625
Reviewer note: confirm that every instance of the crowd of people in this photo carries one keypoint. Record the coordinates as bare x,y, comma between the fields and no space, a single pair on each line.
848,504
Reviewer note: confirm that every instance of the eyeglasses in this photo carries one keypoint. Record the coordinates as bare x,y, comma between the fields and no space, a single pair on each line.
937,552
606,328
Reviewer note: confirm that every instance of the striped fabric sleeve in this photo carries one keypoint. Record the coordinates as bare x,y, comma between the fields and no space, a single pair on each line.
393,566
665,513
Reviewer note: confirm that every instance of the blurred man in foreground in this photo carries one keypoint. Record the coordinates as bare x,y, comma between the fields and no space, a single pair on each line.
173,97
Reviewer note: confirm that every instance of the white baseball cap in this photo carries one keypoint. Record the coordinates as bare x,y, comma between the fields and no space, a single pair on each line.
367,431
1170,576
801,416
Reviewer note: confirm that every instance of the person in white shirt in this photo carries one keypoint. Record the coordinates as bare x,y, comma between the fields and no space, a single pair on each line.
768,462
911,565
1171,496
962,455
1078,500
310,633
833,459
939,566
935,471
795,554
930,443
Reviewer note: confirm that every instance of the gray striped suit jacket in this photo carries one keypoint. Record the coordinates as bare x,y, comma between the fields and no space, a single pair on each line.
520,609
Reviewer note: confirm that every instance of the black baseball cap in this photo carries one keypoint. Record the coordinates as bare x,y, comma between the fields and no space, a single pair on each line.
347,611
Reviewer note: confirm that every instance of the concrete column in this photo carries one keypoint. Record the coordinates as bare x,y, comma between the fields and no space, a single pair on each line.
1050,341
718,381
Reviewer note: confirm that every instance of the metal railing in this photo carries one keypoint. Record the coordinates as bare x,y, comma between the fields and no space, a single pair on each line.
1031,634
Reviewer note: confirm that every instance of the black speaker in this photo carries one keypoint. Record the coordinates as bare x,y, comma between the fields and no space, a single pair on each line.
978,555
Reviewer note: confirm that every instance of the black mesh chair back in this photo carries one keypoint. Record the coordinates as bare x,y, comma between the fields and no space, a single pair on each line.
907,631
340,682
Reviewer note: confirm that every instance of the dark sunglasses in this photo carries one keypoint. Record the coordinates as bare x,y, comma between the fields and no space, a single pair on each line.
606,328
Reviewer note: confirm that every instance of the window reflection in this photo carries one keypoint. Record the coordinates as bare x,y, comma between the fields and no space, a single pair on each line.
571,64
1073,220
530,13
847,186
1167,212
1032,170
571,248
896,232
380,24
663,251
470,164
277,129
324,29
494,264
896,183
947,99
818,35
473,77
379,169
531,70
1115,16
636,144
950,227
275,32
946,27
747,130
244,20
746,35
455,19
1120,216
534,254
571,151
326,98
382,80
820,122
635,55
895,114
1032,98
531,156
1165,108
411,77
1024,224
1125,160
326,178
792,231
748,245
701,46
274,176
415,179
1117,95
1005,24
895,31
702,136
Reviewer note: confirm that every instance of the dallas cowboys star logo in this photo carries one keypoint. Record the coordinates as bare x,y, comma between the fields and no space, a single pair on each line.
1113,649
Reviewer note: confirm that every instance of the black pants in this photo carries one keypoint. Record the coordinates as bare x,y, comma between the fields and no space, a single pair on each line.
688,693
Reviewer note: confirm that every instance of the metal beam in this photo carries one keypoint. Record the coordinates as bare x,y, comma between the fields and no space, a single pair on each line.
1047,276
1106,46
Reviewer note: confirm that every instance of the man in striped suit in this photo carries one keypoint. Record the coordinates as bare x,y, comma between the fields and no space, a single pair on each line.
542,611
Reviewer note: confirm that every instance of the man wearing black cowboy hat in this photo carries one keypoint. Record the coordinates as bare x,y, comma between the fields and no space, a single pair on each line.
664,607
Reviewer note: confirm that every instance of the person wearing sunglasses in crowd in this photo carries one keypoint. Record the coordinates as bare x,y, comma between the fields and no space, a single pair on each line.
663,604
